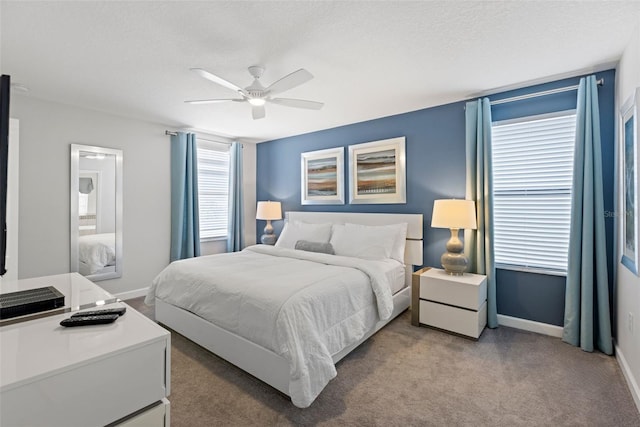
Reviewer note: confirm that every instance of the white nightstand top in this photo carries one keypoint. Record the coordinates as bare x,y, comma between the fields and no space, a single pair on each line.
467,278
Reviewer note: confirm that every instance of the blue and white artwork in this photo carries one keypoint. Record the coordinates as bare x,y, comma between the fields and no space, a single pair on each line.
322,174
377,172
322,177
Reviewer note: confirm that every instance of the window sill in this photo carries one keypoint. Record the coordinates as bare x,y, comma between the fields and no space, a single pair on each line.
534,270
213,239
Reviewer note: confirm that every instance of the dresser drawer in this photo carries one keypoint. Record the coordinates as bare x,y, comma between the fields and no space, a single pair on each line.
156,416
95,394
461,321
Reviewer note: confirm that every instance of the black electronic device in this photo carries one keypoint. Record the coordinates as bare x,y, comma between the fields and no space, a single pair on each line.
5,90
20,303
89,320
119,311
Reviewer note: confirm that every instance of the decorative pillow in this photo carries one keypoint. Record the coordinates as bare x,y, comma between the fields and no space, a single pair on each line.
398,230
306,245
363,241
296,230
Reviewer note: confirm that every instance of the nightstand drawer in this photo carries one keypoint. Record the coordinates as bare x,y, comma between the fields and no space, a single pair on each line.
468,291
458,320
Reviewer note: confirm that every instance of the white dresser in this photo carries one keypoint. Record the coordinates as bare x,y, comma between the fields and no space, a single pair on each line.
453,303
96,375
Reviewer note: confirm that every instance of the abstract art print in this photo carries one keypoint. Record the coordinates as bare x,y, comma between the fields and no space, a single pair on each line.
322,177
377,172
629,135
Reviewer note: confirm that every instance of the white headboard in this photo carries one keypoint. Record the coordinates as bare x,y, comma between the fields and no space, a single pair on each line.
413,248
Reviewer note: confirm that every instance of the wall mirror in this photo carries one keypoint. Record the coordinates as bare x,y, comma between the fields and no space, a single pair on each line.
96,212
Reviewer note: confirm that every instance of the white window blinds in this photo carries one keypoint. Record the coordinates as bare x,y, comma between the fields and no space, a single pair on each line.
532,180
213,190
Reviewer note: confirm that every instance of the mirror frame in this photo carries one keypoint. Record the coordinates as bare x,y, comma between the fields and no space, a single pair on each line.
74,223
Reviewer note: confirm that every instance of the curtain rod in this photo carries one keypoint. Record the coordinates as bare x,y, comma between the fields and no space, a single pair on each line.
543,93
168,132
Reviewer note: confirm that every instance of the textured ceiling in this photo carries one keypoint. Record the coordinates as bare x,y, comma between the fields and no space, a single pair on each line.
369,59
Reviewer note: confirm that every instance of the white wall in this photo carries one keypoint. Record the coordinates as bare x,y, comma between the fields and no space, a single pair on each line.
249,167
628,285
46,131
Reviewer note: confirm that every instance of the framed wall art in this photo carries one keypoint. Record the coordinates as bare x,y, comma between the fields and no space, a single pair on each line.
629,135
322,177
377,172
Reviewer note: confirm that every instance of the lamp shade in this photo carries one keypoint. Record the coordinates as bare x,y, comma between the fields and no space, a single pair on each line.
453,213
269,210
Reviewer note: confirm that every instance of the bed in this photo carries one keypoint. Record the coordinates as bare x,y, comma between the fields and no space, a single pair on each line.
96,252
287,315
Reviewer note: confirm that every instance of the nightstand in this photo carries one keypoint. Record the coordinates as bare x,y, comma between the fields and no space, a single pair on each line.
456,304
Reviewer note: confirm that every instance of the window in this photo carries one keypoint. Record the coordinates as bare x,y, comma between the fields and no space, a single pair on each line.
83,204
213,190
532,179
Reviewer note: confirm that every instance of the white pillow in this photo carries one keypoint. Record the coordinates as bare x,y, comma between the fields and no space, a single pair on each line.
368,242
296,230
400,231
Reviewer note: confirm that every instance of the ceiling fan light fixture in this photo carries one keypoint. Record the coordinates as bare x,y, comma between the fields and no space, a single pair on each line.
257,102
257,95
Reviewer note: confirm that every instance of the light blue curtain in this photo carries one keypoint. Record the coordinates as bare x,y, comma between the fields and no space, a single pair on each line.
185,227
586,315
235,237
479,188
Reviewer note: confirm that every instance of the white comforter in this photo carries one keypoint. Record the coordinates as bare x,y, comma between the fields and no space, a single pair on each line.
304,306
97,250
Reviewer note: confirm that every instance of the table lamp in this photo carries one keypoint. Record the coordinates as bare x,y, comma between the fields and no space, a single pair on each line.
454,215
268,210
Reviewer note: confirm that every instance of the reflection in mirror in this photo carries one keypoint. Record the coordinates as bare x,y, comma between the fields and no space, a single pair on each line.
96,212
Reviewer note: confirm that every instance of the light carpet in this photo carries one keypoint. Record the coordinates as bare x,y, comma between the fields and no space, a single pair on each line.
410,376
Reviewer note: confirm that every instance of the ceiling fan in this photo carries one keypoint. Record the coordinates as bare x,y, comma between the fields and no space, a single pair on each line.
257,95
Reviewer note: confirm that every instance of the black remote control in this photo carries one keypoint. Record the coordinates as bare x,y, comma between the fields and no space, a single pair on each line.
119,311
89,320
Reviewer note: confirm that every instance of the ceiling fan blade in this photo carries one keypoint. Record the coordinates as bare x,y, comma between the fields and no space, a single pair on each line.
257,111
290,81
219,80
213,101
297,103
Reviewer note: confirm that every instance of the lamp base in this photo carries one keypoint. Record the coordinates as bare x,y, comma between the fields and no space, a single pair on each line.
268,239
454,260
454,264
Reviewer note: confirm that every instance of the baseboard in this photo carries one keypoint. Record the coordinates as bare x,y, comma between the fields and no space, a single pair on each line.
530,325
132,294
628,375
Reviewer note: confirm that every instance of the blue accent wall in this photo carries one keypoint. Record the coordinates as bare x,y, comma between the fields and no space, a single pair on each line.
435,165
435,151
